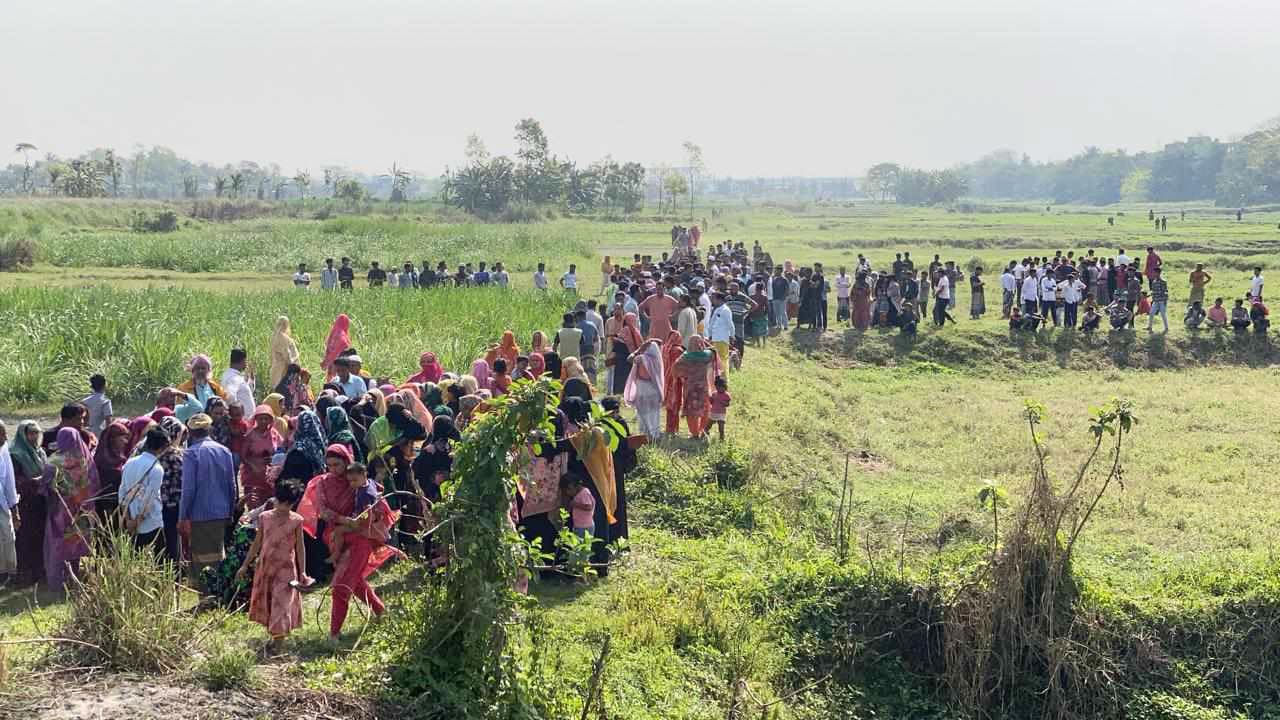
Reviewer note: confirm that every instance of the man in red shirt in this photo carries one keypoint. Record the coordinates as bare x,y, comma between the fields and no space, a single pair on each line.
1153,263
658,308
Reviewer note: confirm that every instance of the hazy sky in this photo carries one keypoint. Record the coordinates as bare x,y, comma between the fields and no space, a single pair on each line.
800,87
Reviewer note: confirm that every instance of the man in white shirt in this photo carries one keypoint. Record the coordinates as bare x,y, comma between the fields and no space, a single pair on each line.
1123,259
1030,293
844,284
139,492
569,281
720,330
941,300
329,276
236,383
302,278
1048,295
1255,285
1073,290
500,276
9,519
1008,288
540,277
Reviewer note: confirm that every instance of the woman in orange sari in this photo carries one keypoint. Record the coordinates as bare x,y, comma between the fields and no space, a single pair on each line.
698,366
673,392
508,349
339,339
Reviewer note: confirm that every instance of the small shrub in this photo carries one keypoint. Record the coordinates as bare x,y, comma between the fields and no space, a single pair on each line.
520,213
162,222
17,253
226,668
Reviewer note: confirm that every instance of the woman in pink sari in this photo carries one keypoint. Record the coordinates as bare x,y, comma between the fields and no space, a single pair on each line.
339,339
483,374
362,547
431,371
69,490
645,386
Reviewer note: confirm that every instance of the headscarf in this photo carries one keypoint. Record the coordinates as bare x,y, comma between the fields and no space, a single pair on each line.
572,368
328,490
413,404
340,431
432,395
508,349
275,402
700,351
443,429
110,462
631,332
539,344
136,428
651,360
339,339
73,458
284,351
537,364
29,458
672,349
552,359
480,370
431,369
468,384
491,354
379,401
309,439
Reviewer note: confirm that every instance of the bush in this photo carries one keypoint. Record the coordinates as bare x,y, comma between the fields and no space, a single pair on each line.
520,213
697,499
17,253
162,222
125,611
226,668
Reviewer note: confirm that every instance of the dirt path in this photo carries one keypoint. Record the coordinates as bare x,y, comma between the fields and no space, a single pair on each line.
121,698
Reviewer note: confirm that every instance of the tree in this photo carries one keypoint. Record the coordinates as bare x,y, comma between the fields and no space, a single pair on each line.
675,185
692,158
112,167
190,187
882,179
238,184
83,179
399,183
219,186
476,151
28,183
350,190
302,181
56,172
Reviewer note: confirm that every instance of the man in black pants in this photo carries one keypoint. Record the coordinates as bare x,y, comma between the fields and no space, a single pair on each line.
824,287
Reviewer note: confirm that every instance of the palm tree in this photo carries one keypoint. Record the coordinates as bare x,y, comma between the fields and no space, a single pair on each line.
112,166
237,184
219,186
56,170
25,148
399,182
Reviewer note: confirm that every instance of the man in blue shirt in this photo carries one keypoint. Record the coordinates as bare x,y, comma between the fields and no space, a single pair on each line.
481,277
209,495
353,386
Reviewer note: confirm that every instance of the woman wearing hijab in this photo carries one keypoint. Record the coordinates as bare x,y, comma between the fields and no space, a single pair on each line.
309,440
431,468
275,402
645,387
574,380
339,340
68,492
293,390
861,302
430,369
284,351
340,432
698,367
552,361
593,458
508,349
260,444
330,502
537,365
481,371
539,344
29,466
673,390
113,452
625,344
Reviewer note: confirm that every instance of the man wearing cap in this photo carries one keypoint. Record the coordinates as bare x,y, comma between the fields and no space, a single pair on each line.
209,495
353,386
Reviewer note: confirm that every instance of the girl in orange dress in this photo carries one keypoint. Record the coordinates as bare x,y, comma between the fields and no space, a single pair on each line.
282,560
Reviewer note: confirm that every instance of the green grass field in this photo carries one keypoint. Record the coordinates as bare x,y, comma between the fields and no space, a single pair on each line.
738,584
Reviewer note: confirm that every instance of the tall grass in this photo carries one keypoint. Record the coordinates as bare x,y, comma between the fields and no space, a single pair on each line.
52,339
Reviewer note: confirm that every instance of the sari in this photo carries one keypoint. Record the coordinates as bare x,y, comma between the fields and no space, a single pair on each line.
537,365
644,389
310,441
255,457
430,369
339,340
69,492
480,370
284,351
673,391
275,402
29,464
861,305
340,432
110,465
539,344
698,368
508,349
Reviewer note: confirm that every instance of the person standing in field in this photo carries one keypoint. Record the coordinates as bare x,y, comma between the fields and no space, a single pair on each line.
139,493
237,381
540,277
569,281
281,557
658,309
10,520
606,271
779,288
1199,279
1153,263
346,275
844,288
1255,285
377,277
500,276
1008,289
98,405
941,299
329,276
302,278
209,495
977,294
